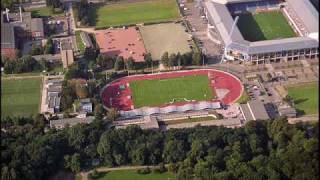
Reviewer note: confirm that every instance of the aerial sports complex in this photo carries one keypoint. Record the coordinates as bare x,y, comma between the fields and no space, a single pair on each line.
161,93
264,31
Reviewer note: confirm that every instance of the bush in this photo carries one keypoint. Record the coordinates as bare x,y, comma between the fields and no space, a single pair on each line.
173,168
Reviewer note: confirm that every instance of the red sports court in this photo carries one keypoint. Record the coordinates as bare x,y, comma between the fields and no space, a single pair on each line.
125,42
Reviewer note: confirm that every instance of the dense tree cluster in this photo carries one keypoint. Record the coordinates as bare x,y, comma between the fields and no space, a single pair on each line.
260,150
22,65
83,12
187,59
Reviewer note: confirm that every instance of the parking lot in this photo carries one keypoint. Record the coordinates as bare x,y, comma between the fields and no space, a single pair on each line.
195,16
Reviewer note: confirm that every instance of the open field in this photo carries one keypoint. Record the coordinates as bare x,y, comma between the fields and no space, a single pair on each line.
80,44
264,26
305,97
187,120
132,174
45,12
169,37
20,97
159,92
134,13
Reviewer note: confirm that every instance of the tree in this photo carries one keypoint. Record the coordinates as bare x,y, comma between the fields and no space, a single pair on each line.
112,114
172,60
45,65
196,58
148,59
90,54
36,49
81,91
165,59
119,63
73,162
48,49
129,63
74,72
99,111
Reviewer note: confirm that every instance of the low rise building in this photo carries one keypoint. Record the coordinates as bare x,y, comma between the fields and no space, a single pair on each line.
54,88
287,111
8,42
66,54
85,105
37,31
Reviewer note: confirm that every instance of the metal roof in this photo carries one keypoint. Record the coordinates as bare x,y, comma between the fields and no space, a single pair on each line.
7,36
223,21
307,14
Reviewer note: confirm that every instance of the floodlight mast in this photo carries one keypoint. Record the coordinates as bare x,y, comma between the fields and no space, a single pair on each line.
229,36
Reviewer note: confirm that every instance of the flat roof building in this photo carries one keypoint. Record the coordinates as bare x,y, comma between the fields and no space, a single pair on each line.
37,28
8,42
66,54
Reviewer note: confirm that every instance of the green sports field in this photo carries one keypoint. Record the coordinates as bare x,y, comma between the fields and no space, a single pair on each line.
159,92
134,13
20,97
264,26
305,98
45,12
132,174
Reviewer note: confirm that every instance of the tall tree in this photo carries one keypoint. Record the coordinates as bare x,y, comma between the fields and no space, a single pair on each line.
165,59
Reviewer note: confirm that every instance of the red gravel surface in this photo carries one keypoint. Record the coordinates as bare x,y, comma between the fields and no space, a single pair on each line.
121,42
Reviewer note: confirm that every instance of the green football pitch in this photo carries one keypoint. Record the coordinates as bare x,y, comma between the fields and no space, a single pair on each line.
134,13
20,97
305,98
132,174
264,26
164,91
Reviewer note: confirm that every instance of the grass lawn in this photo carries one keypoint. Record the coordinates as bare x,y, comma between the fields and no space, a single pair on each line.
80,44
45,12
264,26
305,97
20,97
132,174
188,120
133,13
166,37
163,91
244,98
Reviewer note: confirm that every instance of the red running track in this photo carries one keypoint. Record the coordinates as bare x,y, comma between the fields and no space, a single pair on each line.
112,96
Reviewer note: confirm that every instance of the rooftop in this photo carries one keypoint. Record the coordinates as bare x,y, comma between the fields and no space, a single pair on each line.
37,24
219,14
7,36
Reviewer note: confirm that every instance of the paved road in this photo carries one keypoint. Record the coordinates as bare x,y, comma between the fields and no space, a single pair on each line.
72,26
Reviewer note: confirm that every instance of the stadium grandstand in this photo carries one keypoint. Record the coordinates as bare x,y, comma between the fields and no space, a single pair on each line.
301,17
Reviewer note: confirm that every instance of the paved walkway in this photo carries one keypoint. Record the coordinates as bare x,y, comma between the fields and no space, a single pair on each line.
21,77
306,118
